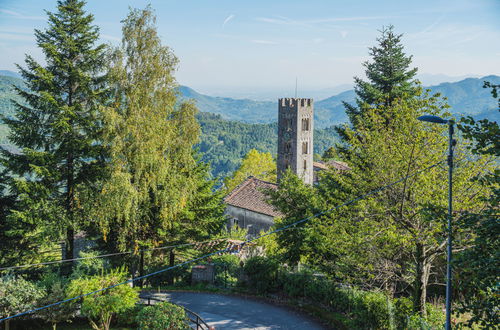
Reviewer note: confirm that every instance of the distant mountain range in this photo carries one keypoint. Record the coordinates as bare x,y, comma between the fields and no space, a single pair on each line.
466,97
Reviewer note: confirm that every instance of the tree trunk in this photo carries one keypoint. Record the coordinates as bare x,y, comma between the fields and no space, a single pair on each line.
141,269
54,325
94,325
107,322
70,186
7,324
171,264
422,273
417,296
70,232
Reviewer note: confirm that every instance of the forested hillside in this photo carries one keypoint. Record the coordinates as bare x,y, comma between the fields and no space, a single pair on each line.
224,143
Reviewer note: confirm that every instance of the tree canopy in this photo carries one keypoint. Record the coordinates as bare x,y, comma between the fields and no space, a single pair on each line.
394,239
258,164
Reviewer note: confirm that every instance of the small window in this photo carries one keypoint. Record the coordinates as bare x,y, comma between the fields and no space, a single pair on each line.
287,164
288,147
305,148
288,124
305,124
305,164
235,222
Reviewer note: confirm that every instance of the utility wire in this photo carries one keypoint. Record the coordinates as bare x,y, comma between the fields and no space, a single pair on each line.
352,201
104,255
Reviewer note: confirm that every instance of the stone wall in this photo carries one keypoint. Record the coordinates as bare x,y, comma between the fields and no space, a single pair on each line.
253,221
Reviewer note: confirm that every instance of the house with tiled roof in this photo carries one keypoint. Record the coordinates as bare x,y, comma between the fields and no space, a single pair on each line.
247,206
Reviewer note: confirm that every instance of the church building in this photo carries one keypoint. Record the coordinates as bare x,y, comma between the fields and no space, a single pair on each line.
247,205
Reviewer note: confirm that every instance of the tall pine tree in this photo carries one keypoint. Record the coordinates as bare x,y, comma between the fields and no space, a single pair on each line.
56,132
389,74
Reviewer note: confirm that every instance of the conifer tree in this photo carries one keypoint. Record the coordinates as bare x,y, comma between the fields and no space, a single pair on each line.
56,131
389,74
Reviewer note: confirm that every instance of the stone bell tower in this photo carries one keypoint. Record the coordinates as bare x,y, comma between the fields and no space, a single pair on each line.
295,137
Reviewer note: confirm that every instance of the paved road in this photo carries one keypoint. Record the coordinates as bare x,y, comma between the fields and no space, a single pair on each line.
228,312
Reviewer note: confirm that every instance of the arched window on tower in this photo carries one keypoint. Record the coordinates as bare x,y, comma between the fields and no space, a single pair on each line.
305,124
288,147
305,148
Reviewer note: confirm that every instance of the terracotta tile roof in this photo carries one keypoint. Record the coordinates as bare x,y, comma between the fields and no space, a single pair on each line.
249,195
320,166
341,166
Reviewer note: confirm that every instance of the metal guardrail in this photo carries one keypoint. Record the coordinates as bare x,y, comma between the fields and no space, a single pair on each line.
194,320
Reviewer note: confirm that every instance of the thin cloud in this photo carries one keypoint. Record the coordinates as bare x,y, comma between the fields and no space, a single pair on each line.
230,17
349,19
280,20
20,16
263,42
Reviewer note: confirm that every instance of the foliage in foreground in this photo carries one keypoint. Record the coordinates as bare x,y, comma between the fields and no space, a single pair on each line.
363,309
100,307
17,295
55,291
478,266
162,316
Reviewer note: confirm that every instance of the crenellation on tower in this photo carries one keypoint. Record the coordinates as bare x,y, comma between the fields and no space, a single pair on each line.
295,137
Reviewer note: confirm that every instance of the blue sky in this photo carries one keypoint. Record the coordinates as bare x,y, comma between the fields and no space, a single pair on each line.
226,46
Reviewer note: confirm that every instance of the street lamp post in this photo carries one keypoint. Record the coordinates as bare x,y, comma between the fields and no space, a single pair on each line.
438,120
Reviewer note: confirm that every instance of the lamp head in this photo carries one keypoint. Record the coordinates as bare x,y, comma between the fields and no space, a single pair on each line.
433,119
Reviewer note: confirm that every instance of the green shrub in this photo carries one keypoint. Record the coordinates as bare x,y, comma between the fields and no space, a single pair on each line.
17,295
294,284
263,274
55,287
372,310
406,318
402,312
129,316
317,288
100,307
416,322
90,265
227,269
162,316
435,317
